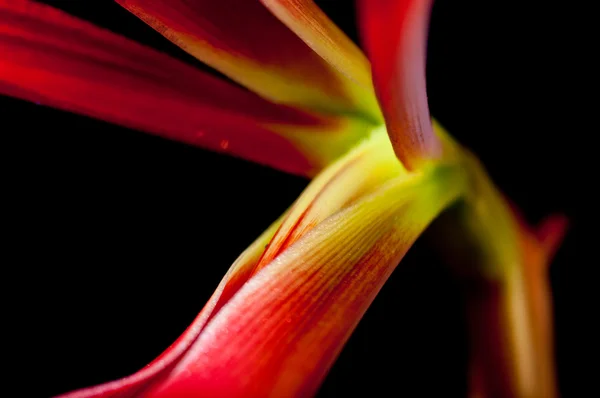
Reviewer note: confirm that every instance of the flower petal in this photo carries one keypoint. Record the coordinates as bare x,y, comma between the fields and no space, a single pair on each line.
237,275
255,49
54,59
311,24
394,33
281,332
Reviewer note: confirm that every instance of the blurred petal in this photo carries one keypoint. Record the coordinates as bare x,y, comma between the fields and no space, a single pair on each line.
395,34
531,291
279,335
525,308
551,232
51,58
243,40
512,344
504,266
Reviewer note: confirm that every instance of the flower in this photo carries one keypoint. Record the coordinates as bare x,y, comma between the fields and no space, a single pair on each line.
284,310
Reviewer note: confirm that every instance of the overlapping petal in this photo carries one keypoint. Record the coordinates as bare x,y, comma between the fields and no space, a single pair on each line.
395,33
243,40
54,59
358,173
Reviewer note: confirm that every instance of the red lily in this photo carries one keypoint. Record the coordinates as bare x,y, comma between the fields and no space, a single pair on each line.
286,307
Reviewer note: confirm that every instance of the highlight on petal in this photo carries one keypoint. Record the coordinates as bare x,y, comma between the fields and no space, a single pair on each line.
394,34
277,322
243,40
311,24
236,276
51,58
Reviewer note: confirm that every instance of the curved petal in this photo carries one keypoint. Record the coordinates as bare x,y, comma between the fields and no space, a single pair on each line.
279,335
49,57
344,234
395,33
341,183
235,278
255,49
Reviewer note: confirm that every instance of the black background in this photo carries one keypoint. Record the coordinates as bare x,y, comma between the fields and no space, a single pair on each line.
121,236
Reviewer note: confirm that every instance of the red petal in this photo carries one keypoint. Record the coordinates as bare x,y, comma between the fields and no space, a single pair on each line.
52,58
276,331
280,333
237,275
244,41
394,33
355,175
